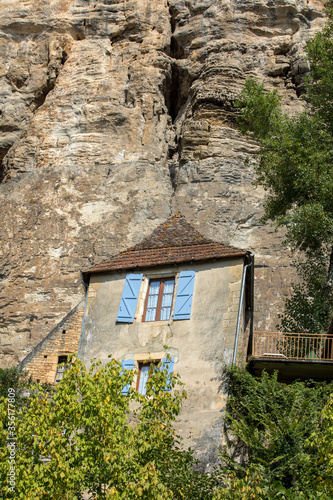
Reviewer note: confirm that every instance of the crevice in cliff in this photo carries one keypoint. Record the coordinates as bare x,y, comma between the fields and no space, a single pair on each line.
3,152
172,173
177,86
176,91
53,73
173,14
176,50
177,77
173,149
41,95
171,96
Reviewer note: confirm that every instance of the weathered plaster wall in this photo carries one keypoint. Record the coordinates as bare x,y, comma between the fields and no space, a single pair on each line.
201,346
113,115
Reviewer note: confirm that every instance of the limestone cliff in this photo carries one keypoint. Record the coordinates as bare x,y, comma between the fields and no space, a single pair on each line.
115,114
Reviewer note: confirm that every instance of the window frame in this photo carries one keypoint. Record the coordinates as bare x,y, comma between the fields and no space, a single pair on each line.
159,300
165,361
61,369
141,364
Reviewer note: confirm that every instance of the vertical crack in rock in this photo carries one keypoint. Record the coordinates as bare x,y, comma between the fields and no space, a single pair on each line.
172,18
172,172
179,82
176,49
173,87
3,151
177,87
54,68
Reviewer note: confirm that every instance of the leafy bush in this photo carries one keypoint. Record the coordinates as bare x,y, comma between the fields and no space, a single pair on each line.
14,378
276,438
88,436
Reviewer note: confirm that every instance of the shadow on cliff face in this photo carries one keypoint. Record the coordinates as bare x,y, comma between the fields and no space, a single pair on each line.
179,81
177,89
3,151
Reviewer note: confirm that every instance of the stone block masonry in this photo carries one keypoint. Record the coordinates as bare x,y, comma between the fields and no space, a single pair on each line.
64,339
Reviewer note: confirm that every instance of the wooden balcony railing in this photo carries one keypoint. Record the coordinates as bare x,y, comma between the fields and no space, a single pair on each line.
279,345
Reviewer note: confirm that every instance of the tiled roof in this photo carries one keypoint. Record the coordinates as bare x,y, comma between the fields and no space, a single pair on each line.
173,242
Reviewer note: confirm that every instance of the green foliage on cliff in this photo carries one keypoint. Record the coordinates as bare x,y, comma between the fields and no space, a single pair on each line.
295,166
280,439
87,435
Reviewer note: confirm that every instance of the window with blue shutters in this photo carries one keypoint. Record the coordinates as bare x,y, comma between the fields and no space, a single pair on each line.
159,299
127,364
129,298
146,369
183,304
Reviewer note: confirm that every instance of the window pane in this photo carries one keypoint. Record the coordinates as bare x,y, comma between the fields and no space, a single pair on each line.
144,372
165,313
150,314
154,287
159,292
152,301
168,286
153,291
167,299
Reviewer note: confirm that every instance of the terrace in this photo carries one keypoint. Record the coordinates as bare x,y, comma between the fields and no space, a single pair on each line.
294,355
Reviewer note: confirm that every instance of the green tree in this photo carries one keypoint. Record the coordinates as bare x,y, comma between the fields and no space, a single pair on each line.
320,476
17,379
296,168
279,439
87,435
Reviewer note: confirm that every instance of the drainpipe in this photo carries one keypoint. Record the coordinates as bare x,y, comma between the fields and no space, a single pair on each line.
240,307
84,314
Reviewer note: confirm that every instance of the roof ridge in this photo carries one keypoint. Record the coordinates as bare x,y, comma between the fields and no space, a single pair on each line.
135,249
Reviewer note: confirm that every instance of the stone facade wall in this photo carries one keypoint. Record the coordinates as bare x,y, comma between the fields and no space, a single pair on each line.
201,346
64,339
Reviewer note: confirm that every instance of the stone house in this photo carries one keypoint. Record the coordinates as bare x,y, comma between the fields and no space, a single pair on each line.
180,294
178,298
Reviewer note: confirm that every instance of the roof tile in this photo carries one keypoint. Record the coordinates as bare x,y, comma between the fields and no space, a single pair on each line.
173,242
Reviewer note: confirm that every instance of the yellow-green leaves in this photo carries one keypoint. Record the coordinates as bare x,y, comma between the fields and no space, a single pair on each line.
87,436
285,434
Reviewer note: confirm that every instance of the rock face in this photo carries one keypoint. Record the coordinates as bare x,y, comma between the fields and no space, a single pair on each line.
115,114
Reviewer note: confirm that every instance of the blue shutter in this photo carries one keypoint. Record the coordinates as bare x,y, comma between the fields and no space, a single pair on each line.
168,366
184,295
129,298
126,364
